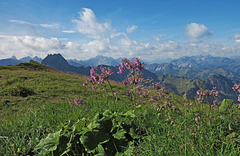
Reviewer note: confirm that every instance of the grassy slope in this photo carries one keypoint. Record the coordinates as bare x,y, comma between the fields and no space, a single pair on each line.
25,120
47,86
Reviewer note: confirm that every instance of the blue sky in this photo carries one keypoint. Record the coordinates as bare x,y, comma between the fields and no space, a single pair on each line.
152,30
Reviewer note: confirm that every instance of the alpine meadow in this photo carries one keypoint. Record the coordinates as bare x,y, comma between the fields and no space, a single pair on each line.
119,78
48,112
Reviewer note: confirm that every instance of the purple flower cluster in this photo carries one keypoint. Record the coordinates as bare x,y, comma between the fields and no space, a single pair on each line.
153,98
213,92
106,71
77,101
96,77
162,97
202,92
134,78
130,65
158,86
94,87
128,92
141,91
236,87
125,82
206,93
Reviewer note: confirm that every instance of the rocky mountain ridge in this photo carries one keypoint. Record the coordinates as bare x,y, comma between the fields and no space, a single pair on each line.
58,62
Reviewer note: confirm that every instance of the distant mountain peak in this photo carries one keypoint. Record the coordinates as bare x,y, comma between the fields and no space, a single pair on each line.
13,57
98,60
55,60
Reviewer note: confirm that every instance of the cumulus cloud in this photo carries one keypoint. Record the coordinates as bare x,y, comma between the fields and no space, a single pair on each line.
237,37
106,41
196,32
22,46
88,24
131,29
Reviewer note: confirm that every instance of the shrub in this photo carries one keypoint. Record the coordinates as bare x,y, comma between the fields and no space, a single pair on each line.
106,134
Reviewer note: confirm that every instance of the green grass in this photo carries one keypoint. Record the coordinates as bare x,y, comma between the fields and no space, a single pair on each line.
34,102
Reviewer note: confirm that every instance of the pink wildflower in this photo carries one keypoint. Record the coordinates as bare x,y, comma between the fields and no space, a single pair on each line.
106,71
121,68
196,119
70,103
214,92
94,87
128,92
125,82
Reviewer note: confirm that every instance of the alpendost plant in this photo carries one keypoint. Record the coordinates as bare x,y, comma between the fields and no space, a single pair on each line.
133,78
135,89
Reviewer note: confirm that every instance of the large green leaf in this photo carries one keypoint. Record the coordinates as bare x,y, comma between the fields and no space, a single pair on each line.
91,140
48,144
129,114
133,134
100,151
120,134
225,105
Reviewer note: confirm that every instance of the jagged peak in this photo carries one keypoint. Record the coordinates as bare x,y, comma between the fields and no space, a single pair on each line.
13,57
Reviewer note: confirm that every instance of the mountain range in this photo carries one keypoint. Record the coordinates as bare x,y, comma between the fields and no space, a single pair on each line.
200,67
58,62
191,71
181,76
189,86
14,61
98,60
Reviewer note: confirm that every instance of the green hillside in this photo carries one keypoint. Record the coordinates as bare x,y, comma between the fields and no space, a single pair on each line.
189,86
36,118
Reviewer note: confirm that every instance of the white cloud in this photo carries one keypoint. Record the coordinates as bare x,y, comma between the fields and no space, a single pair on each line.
22,46
108,42
237,37
131,29
159,37
50,26
19,22
88,24
69,31
27,24
237,40
196,32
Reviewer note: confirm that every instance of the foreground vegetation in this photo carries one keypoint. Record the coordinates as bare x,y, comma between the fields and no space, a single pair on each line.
47,112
